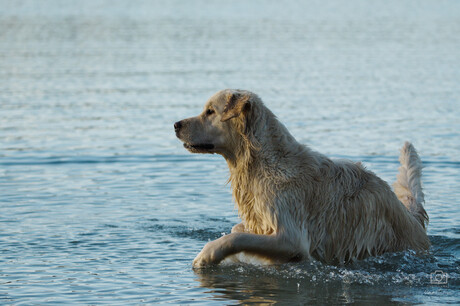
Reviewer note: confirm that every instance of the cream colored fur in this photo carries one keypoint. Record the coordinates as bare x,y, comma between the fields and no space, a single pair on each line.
295,203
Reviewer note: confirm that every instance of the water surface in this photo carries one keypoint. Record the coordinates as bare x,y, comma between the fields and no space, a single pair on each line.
101,204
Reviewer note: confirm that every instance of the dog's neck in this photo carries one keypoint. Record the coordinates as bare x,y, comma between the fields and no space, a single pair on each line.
264,152
265,144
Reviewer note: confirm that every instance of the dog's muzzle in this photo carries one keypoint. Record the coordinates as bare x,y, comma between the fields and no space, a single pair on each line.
177,126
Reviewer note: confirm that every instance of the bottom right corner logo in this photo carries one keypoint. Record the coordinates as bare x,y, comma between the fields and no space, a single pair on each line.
439,277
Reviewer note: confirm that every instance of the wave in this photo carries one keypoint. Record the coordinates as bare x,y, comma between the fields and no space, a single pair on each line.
68,160
123,159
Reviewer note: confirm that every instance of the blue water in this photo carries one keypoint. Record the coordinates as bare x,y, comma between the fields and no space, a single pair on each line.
101,204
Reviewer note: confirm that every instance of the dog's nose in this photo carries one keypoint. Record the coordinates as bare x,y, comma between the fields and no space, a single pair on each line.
177,126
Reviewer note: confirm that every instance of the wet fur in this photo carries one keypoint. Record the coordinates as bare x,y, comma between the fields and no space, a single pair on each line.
298,204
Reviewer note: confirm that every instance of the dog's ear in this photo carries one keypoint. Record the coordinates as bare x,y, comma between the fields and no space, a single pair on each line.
237,103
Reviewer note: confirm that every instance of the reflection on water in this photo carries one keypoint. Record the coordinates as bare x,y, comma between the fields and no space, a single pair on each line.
248,285
312,283
101,204
382,280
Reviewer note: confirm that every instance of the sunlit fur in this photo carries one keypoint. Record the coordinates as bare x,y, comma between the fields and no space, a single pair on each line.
305,204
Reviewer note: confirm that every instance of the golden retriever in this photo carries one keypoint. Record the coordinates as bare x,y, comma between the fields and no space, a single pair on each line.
295,203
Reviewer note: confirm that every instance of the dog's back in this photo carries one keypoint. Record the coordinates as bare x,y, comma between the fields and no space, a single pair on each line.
359,216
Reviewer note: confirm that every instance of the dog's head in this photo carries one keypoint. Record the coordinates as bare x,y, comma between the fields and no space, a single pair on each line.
219,127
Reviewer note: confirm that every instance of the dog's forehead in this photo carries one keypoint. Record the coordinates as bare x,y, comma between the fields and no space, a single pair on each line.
218,100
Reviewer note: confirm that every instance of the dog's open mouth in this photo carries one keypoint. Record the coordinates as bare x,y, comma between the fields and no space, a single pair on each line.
199,147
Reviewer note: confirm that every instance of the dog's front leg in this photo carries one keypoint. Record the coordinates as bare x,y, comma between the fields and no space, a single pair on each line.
274,247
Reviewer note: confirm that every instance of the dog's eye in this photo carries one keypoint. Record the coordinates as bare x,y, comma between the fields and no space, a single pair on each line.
209,112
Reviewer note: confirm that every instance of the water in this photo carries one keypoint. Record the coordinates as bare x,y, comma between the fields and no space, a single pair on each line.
101,204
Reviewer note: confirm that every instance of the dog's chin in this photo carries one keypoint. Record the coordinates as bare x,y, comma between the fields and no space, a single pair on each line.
200,148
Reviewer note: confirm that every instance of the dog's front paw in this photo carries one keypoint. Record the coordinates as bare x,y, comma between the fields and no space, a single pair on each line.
211,254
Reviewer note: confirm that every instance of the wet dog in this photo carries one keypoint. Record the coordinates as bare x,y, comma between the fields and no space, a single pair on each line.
295,203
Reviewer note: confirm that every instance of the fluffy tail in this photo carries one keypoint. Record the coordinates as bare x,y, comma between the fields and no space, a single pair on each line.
408,186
